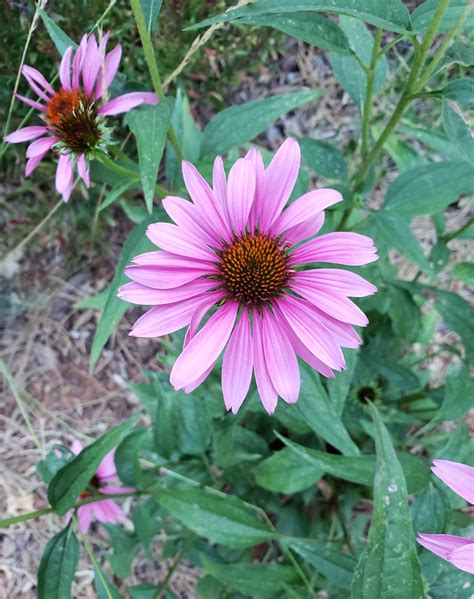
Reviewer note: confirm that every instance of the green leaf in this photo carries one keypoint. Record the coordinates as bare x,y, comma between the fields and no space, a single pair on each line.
428,189
115,193
458,396
323,158
461,91
433,139
126,457
404,154
392,16
347,69
143,591
262,580
58,566
423,15
73,478
54,461
93,302
103,587
457,314
60,39
320,414
389,565
338,387
222,518
308,27
457,130
336,566
124,546
393,231
404,313
360,469
464,271
239,124
149,125
286,472
431,509
115,308
151,10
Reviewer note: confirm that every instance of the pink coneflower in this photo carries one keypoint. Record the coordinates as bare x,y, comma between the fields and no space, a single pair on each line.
235,251
106,510
74,116
454,549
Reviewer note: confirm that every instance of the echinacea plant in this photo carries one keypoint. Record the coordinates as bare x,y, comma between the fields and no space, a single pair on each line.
235,249
457,550
74,115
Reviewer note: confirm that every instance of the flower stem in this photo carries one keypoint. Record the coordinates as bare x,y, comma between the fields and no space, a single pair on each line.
152,66
411,87
457,232
369,92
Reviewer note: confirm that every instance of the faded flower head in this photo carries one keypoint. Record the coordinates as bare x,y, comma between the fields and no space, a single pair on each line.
74,115
105,510
454,549
234,270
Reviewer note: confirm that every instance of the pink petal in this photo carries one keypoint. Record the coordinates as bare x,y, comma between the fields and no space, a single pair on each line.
34,77
136,293
77,62
342,248
305,230
280,359
31,103
65,69
110,490
165,319
32,163
159,258
185,215
280,178
84,517
463,558
305,208
40,146
109,70
203,197
219,184
237,365
107,468
266,390
208,301
342,282
337,306
107,511
178,241
165,277
459,477
90,65
205,347
258,205
25,134
240,194
128,101
76,447
195,384
342,332
83,170
311,331
64,176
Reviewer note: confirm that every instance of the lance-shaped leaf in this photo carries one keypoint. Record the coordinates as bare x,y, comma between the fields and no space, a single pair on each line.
58,566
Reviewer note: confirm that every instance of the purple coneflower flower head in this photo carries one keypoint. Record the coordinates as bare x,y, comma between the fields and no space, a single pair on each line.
106,510
74,115
456,550
237,256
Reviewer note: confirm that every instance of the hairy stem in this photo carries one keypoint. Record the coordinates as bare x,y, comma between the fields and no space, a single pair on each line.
369,92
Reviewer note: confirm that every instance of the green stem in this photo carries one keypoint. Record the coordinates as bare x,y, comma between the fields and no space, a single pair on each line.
97,569
123,171
458,232
369,92
160,592
410,88
152,66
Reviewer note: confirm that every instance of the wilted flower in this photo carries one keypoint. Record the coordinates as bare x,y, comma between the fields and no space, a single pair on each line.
74,116
235,249
457,550
105,510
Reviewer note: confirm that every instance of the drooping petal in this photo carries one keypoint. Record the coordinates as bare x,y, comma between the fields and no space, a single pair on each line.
106,469
459,477
84,517
65,69
32,103
240,194
32,163
83,170
280,359
25,134
64,176
136,293
40,146
110,68
37,82
178,241
164,277
311,331
342,332
77,62
457,550
160,258
186,216
305,230
108,512
237,365
338,280
351,249
280,178
205,347
126,102
463,558
305,208
266,390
